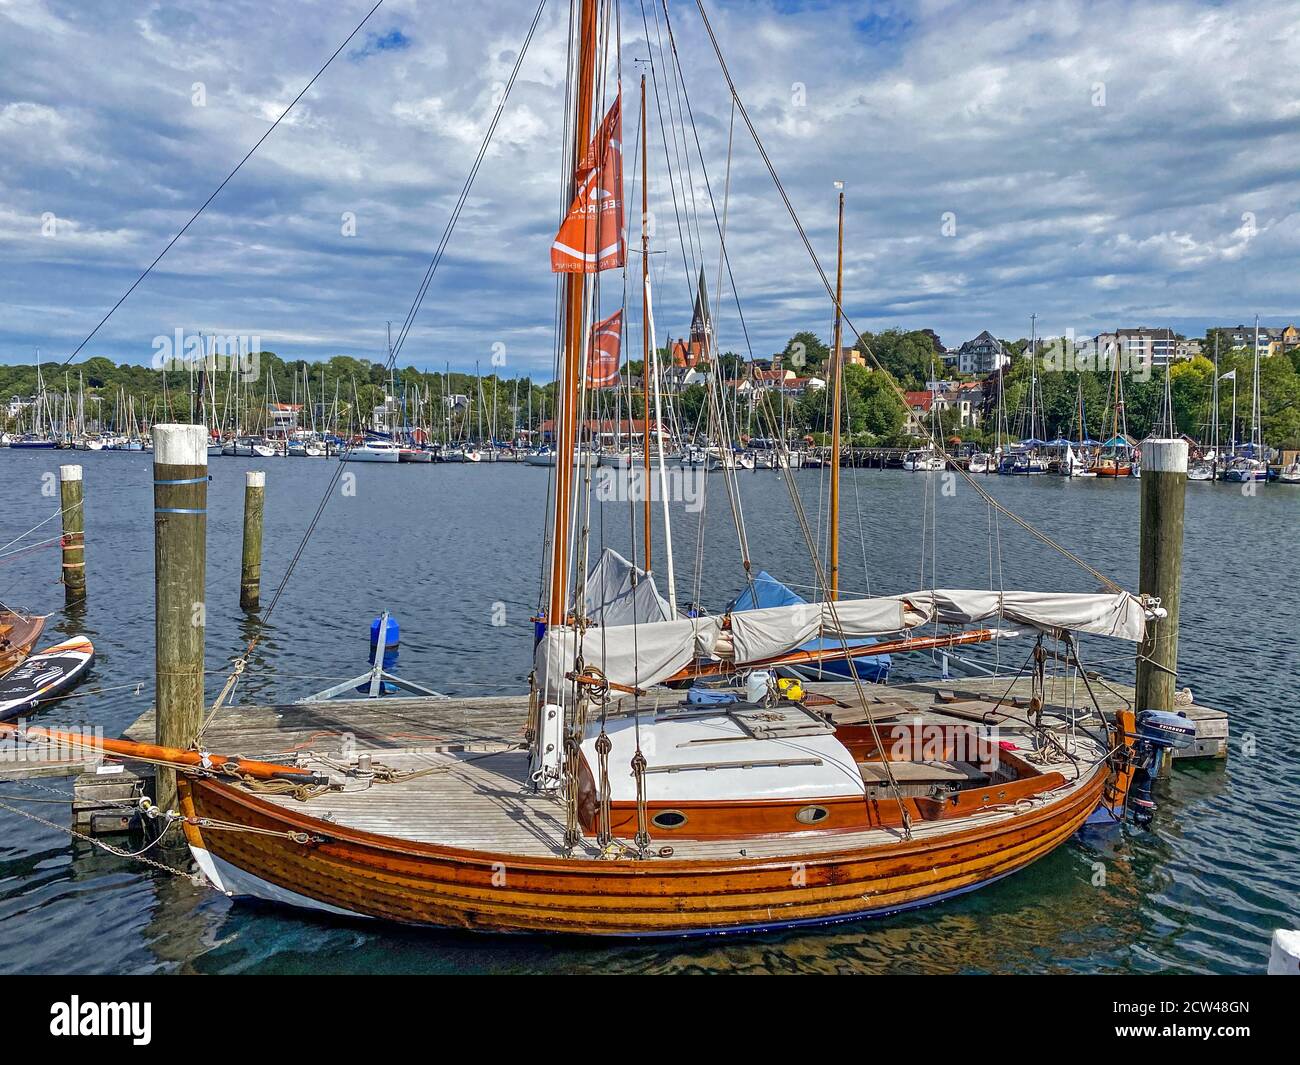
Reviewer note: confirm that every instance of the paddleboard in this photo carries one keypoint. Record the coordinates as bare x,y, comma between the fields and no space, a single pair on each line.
45,676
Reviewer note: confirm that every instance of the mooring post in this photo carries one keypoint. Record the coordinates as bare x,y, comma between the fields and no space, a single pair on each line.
180,525
1160,566
250,573
72,503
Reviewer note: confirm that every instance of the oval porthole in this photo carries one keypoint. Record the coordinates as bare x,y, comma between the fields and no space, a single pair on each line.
668,819
811,815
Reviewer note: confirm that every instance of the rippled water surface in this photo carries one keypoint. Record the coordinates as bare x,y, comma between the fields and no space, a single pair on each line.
450,549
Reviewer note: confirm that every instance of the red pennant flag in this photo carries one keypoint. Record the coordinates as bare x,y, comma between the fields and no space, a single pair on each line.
602,353
591,236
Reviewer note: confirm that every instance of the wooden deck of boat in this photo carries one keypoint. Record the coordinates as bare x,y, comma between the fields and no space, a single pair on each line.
472,794
477,725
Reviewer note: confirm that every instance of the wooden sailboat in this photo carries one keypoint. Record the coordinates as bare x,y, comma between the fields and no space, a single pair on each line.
630,810
18,635
645,814
1115,459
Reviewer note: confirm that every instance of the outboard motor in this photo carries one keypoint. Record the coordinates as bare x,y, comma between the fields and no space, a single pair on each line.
1158,733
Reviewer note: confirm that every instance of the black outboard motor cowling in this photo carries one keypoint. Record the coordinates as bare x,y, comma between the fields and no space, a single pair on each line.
1158,733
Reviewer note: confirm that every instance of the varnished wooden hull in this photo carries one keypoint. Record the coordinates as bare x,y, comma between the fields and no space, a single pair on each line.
355,872
18,635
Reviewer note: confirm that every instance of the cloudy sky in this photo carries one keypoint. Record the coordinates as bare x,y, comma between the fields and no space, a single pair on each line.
1097,163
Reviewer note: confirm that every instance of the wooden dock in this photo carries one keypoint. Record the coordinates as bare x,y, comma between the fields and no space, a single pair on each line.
481,725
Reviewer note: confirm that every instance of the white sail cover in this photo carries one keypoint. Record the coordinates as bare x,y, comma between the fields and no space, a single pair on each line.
772,631
1117,614
618,593
631,655
644,654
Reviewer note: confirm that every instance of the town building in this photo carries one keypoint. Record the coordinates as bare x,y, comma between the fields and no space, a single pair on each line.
984,354
282,418
1273,340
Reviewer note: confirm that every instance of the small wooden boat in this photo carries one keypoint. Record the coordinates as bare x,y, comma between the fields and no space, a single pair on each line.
45,677
18,635
496,858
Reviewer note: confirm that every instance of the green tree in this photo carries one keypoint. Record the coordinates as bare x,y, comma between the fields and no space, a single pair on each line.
804,353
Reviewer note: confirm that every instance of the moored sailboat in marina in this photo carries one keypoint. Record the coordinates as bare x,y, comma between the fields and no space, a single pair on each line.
629,808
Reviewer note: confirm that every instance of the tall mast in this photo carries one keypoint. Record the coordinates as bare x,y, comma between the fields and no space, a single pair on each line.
1214,409
1033,378
1256,440
566,419
837,376
645,324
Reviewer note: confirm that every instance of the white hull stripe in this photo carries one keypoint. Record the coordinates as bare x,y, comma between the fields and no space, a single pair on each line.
232,881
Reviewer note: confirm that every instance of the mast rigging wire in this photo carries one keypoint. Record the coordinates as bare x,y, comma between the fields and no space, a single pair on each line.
242,660
224,181
1106,581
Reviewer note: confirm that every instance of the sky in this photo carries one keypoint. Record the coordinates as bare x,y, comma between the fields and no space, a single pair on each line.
1096,163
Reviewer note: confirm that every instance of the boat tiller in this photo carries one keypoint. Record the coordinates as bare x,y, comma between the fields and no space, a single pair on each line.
1158,733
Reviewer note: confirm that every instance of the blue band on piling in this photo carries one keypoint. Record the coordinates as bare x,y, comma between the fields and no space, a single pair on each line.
187,480
178,510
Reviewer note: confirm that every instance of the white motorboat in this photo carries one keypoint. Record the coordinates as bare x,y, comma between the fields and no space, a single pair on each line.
923,461
372,451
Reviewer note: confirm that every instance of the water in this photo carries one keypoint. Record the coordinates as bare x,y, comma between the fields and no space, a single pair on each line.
451,549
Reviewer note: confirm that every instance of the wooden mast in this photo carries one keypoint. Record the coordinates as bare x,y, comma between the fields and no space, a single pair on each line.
837,383
574,309
645,324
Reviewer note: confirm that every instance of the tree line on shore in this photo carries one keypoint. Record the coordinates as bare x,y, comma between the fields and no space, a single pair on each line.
873,413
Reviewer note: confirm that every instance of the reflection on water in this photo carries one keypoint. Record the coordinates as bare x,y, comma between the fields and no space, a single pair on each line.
451,549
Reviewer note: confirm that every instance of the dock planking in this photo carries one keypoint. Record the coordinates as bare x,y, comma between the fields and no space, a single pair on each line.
484,724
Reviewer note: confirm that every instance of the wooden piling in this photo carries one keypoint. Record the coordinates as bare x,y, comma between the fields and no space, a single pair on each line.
180,493
72,503
250,573
1160,565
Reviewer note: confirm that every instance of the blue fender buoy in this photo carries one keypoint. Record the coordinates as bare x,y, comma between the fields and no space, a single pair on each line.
391,648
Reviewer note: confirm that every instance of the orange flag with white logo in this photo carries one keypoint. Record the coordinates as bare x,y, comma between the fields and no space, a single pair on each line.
603,351
591,236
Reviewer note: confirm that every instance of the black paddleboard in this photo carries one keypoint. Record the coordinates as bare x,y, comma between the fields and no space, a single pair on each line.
46,676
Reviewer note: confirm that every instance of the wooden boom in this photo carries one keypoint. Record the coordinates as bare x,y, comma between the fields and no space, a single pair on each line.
794,658
150,752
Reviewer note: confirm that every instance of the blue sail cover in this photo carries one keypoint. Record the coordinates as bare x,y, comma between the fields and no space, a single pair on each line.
767,591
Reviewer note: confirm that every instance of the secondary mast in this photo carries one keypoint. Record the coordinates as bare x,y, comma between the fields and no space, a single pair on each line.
837,383
645,326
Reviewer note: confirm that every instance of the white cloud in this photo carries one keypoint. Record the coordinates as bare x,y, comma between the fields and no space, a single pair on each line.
988,111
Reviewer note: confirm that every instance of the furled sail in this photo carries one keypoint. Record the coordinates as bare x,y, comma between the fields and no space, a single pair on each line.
757,635
644,654
591,235
1117,614
631,655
